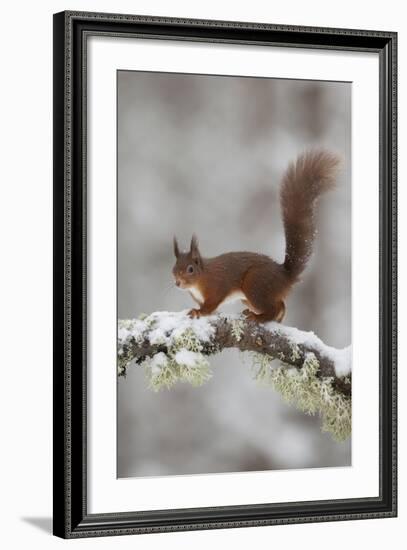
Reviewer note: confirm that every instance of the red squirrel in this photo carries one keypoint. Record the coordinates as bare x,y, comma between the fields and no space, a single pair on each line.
256,279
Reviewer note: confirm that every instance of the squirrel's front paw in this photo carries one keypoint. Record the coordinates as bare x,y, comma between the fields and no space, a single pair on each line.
194,313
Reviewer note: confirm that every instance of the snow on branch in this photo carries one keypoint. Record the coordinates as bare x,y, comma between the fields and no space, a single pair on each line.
172,348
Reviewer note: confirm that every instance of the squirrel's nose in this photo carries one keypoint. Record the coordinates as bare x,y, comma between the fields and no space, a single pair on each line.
177,282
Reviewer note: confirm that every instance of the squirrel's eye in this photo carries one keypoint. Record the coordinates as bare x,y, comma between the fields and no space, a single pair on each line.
190,269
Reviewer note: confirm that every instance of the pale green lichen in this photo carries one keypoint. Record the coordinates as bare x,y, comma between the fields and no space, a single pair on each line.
163,377
174,370
262,367
121,370
295,352
186,340
124,357
197,374
309,393
150,321
237,328
130,331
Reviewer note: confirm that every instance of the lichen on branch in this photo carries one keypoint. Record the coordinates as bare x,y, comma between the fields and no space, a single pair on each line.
172,348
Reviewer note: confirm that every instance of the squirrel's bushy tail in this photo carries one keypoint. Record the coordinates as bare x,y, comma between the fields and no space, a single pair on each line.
305,180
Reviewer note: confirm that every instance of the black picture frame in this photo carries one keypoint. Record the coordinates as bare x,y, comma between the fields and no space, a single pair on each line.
71,518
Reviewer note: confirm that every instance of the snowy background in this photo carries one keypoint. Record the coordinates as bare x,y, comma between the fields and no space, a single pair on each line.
205,154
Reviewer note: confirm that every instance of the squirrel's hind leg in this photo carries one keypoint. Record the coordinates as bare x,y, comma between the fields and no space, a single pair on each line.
264,295
273,313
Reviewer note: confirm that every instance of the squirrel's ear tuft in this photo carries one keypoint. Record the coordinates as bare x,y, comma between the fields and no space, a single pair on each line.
176,247
196,256
194,243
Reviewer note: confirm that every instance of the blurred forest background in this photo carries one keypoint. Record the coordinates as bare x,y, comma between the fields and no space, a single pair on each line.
205,154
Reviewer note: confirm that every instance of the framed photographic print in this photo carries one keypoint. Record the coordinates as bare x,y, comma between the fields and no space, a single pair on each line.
224,274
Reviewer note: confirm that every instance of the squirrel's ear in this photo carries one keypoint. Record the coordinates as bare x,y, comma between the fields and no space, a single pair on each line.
194,243
196,256
176,247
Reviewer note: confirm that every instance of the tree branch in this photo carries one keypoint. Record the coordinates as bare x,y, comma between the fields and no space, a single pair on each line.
140,339
173,348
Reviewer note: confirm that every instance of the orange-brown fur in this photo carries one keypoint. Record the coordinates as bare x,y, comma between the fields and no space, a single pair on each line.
263,282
